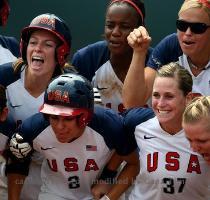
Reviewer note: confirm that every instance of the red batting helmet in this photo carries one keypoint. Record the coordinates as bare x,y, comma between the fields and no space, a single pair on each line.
56,26
69,95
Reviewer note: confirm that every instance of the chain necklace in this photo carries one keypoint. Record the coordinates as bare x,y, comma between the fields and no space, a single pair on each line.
192,66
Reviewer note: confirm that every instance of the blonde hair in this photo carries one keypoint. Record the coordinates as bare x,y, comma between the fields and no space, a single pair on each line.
183,77
205,5
198,109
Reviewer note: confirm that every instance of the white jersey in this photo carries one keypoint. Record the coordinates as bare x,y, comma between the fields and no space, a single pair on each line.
25,105
21,106
6,55
169,169
70,169
77,163
109,86
201,83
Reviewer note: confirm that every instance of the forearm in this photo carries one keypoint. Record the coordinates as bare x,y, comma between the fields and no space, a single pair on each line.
123,182
126,177
134,91
15,184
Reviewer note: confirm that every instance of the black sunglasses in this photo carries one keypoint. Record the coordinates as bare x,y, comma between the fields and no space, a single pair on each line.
197,28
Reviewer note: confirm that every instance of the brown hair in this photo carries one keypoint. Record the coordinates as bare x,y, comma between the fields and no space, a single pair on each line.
174,70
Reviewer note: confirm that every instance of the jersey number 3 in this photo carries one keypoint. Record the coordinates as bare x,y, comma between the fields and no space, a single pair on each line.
169,185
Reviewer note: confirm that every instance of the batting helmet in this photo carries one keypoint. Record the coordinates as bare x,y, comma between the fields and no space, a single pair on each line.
69,95
56,26
4,12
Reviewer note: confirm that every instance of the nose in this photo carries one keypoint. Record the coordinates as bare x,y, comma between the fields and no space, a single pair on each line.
38,47
116,31
161,102
60,124
188,31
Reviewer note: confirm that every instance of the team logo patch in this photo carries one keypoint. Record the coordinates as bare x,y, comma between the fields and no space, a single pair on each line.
91,148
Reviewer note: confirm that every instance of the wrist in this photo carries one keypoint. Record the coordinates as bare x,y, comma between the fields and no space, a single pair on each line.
108,175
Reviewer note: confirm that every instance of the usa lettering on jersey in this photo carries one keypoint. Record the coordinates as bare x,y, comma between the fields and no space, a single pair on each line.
71,165
173,163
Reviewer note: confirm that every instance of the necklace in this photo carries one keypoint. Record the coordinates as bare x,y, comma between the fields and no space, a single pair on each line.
192,66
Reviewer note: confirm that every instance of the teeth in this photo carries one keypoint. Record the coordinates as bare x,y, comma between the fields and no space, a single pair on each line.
162,111
37,58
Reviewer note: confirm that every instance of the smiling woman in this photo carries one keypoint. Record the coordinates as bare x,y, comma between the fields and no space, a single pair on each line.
45,47
169,168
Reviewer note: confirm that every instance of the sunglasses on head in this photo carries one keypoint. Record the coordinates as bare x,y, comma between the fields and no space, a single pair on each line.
197,28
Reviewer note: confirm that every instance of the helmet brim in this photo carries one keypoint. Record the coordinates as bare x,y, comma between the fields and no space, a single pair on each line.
26,32
59,110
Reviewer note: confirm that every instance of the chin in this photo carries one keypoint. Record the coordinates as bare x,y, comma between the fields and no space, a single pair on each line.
62,140
163,119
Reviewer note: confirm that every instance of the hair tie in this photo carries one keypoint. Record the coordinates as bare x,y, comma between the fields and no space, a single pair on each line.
133,5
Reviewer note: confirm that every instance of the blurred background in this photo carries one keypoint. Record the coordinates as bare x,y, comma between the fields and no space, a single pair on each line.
86,18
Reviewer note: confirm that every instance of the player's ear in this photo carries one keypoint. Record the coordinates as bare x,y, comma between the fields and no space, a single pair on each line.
84,118
3,114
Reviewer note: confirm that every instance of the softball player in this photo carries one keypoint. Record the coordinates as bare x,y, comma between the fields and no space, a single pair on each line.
169,169
122,17
76,140
45,47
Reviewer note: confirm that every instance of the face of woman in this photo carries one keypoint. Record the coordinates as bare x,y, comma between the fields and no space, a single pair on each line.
120,21
41,53
66,129
168,102
198,135
192,44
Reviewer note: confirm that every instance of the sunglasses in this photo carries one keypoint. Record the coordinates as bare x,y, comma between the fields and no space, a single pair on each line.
197,28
